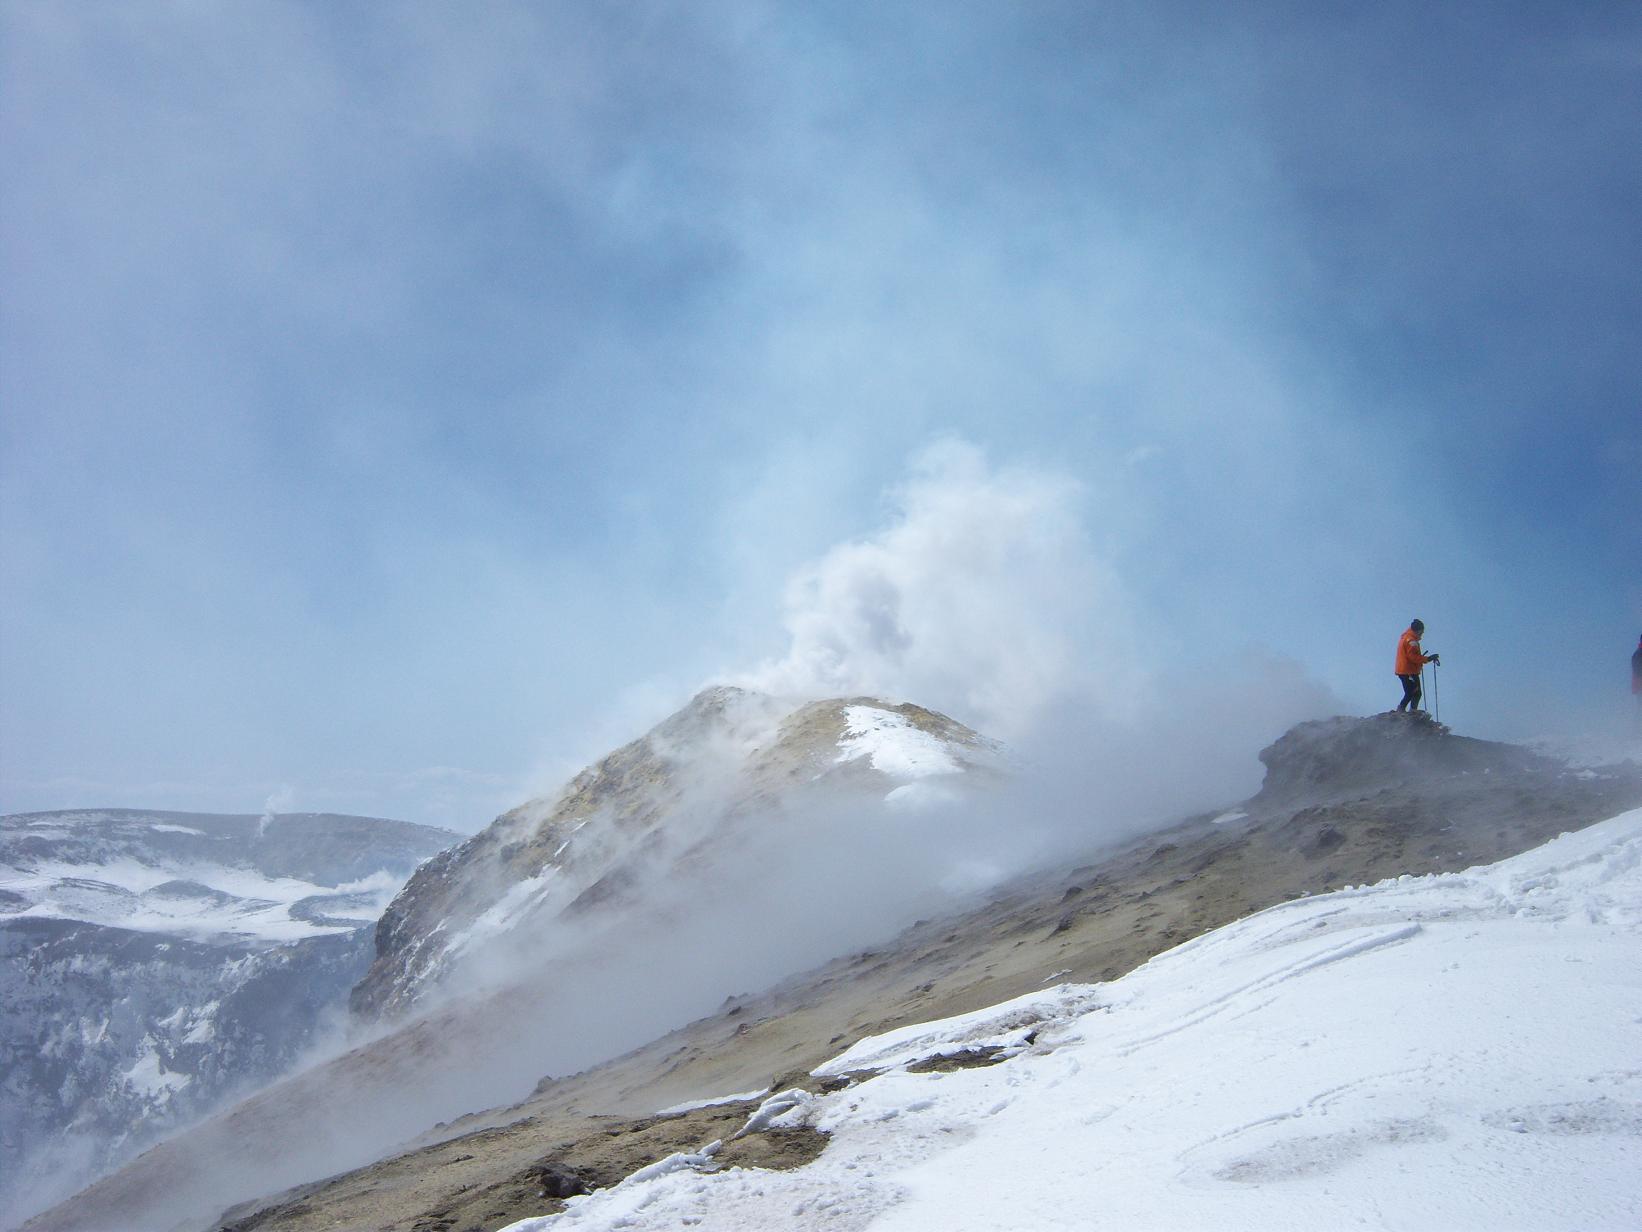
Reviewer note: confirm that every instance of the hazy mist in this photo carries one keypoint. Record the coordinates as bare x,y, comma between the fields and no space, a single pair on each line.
400,408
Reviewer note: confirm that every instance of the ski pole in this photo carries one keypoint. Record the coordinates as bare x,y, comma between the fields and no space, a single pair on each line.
1436,694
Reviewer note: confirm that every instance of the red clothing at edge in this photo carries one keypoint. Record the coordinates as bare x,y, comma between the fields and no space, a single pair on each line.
1409,657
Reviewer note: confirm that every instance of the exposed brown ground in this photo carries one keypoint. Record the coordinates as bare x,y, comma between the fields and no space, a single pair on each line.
1089,923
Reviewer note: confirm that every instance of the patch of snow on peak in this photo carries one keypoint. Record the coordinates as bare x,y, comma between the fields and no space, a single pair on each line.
162,828
894,746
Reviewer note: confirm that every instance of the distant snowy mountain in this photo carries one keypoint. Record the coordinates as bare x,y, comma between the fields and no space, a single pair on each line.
1449,1051
153,964
207,877
729,760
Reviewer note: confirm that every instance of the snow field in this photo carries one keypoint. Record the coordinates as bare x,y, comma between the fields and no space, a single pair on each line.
1461,1051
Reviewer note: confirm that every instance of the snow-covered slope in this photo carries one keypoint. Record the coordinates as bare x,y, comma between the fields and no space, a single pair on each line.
1454,1051
154,964
729,761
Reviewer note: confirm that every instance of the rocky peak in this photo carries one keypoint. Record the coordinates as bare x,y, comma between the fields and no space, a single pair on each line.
730,757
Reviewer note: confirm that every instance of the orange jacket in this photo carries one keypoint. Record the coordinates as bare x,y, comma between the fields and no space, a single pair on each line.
1409,657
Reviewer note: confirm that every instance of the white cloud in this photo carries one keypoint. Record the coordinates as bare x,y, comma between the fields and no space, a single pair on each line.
983,596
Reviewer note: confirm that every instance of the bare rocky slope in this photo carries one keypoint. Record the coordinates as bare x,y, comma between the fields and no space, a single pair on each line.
1345,801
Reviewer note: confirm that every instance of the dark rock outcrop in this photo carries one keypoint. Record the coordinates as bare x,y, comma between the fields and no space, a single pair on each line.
1342,758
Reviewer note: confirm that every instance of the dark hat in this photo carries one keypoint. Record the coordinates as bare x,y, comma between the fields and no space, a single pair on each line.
1416,624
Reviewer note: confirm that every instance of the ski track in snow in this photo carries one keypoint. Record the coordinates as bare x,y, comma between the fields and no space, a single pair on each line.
1457,1051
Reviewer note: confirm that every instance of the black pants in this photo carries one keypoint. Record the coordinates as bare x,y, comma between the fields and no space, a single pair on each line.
1411,693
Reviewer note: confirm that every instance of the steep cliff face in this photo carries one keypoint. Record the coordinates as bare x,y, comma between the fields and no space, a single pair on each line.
109,1038
730,759
153,965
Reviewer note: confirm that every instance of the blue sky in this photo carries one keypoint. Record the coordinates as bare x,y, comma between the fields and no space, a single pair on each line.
402,404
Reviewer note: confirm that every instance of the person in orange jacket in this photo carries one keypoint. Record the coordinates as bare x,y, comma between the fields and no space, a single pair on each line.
1410,659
